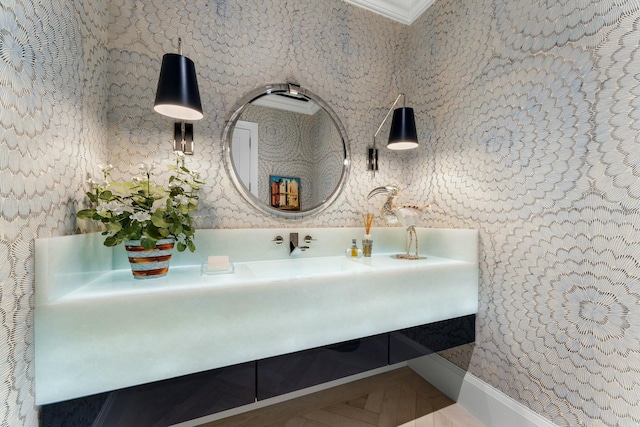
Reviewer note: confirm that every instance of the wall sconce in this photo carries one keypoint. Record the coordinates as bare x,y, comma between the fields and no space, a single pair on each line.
178,97
402,136
183,137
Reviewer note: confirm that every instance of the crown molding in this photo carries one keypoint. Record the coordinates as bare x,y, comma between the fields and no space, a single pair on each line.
288,104
403,11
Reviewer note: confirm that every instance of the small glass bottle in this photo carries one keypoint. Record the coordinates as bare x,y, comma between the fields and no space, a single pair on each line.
354,251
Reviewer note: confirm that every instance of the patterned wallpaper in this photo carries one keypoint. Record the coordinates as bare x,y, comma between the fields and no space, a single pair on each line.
328,156
528,116
53,99
536,111
341,53
77,81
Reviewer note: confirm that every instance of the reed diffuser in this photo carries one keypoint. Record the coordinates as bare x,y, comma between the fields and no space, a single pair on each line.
367,242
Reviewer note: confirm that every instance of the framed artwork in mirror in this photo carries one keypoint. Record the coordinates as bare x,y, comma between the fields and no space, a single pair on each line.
285,192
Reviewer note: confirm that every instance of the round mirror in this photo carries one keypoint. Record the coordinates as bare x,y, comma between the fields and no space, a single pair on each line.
286,151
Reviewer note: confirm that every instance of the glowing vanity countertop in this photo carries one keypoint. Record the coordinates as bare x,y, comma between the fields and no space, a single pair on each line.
104,331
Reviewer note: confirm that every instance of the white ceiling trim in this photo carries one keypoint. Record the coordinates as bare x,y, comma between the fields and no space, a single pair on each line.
288,104
404,11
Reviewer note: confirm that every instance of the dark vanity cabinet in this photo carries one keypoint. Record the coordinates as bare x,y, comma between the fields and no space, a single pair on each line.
184,398
286,373
192,396
295,371
410,343
160,403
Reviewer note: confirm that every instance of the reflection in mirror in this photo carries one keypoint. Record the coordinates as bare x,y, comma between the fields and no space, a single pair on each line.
287,154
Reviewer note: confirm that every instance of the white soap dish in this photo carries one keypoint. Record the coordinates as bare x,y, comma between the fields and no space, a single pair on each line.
217,265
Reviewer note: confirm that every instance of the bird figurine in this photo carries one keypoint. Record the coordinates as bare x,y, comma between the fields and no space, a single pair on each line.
407,215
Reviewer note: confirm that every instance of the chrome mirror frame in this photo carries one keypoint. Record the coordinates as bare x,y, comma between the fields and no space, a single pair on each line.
227,137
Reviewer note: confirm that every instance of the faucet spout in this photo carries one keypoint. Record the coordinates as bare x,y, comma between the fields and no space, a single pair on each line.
294,249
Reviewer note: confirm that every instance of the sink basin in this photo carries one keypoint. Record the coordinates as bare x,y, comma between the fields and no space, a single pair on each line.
307,267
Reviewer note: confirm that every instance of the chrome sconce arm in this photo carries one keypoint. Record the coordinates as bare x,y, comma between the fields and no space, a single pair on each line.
183,137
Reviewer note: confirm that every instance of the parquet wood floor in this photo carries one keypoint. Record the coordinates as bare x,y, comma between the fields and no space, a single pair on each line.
399,398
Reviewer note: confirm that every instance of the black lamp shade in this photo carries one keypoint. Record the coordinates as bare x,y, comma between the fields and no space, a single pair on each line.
403,134
178,96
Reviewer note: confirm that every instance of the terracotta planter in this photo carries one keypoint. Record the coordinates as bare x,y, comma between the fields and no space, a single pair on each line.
149,263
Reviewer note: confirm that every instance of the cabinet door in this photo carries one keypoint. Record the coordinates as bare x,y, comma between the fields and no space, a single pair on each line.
414,342
180,399
295,371
160,403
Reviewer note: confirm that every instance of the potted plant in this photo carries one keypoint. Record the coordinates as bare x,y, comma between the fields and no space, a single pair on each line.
148,218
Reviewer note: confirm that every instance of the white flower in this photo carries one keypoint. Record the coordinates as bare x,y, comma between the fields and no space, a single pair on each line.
106,168
181,199
147,168
141,216
113,207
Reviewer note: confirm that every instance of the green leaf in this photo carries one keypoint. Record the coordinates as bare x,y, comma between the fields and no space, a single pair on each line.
181,247
113,227
106,195
111,241
159,221
163,233
176,228
153,233
148,243
86,214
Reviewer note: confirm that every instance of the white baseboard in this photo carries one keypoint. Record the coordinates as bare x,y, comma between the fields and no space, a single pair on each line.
484,402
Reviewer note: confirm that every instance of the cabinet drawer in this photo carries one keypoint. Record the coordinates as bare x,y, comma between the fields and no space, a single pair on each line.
166,402
421,340
295,371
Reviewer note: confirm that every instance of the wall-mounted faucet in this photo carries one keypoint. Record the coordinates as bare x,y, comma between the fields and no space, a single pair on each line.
294,249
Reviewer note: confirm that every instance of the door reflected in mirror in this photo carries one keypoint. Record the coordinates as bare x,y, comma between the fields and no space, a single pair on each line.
295,139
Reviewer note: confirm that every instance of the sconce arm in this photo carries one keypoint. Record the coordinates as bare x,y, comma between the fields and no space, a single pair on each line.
387,116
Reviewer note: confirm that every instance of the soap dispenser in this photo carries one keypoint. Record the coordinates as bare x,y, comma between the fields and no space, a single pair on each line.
354,251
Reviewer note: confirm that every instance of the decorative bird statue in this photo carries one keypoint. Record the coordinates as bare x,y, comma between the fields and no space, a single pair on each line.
407,215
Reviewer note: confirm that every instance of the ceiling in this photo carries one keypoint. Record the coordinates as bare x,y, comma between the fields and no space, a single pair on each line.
405,11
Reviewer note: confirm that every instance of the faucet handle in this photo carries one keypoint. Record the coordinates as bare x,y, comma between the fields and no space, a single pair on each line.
308,239
278,240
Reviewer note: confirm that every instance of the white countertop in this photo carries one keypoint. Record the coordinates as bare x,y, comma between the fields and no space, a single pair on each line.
102,330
